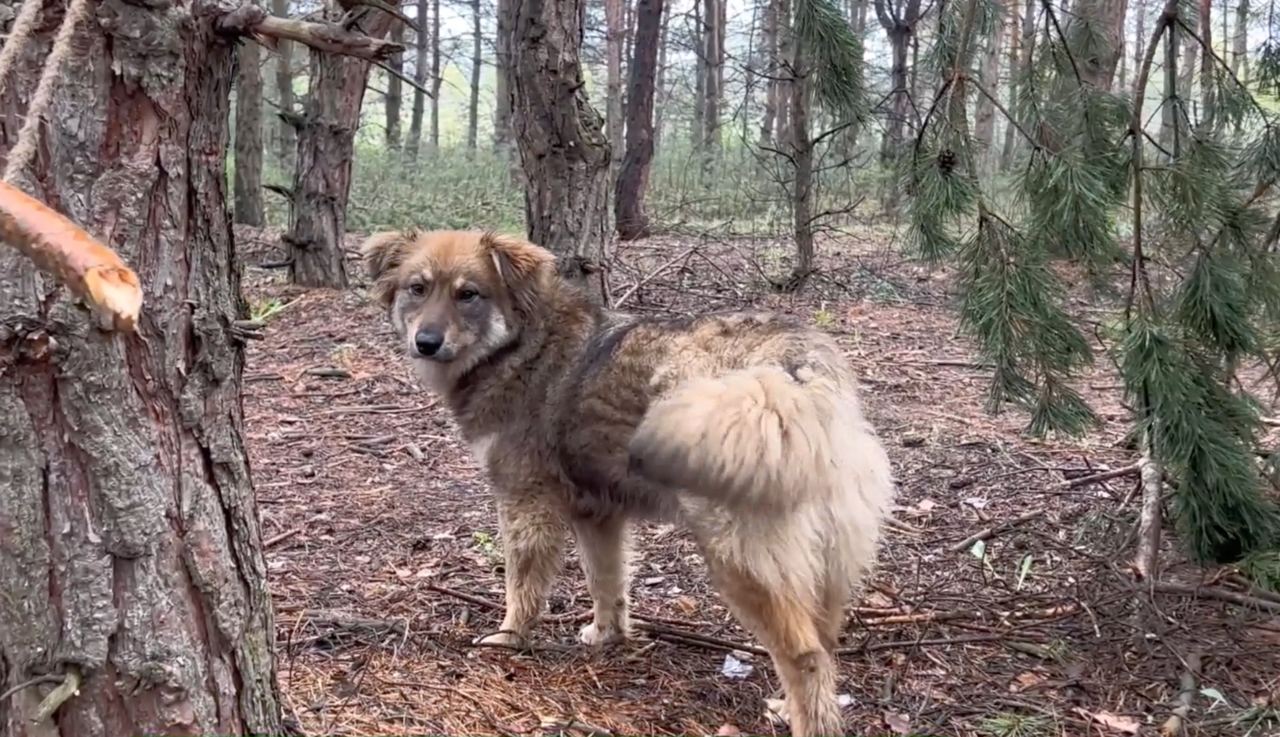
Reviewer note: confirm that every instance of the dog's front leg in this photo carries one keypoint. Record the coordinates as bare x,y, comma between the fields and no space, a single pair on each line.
602,548
533,534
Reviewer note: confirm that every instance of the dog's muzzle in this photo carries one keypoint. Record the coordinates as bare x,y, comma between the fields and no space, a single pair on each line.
429,344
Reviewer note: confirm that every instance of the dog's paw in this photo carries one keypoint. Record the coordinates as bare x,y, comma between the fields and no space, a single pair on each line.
593,635
777,712
503,638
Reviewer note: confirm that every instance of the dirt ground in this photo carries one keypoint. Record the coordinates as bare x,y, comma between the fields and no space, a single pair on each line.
384,561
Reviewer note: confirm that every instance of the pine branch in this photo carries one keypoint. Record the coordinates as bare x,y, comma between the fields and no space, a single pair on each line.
252,20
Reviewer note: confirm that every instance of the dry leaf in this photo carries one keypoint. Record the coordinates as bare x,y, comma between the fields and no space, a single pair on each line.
897,722
1025,680
1114,722
686,604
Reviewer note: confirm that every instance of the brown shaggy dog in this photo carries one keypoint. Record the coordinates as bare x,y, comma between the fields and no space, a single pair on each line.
745,428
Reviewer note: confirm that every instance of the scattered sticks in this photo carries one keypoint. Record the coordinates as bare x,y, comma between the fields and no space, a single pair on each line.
993,530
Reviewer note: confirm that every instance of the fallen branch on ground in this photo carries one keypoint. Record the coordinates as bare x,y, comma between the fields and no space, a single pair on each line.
61,248
1209,592
1173,726
993,530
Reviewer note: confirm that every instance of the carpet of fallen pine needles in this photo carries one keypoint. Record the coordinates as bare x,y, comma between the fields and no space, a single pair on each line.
384,560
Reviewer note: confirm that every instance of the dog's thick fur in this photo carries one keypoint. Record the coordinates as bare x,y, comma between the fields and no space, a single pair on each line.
746,428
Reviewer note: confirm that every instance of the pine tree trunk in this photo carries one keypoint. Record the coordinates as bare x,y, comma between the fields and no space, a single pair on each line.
473,107
1206,59
781,121
660,87
1169,135
395,88
1027,50
697,130
563,151
286,135
130,548
900,32
1139,35
435,76
1240,40
1015,47
802,188
713,22
985,115
1107,19
1150,519
769,49
502,86
419,76
613,22
633,178
248,174
322,180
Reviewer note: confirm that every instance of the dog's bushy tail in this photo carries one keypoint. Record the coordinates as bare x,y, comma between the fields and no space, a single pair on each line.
766,436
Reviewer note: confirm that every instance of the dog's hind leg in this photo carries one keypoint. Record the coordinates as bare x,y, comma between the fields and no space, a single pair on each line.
796,631
533,536
602,548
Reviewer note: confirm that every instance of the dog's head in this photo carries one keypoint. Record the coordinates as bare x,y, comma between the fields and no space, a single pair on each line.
455,297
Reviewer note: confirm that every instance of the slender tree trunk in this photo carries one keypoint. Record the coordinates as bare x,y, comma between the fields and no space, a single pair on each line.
435,75
660,91
769,49
248,175
563,151
1139,35
130,548
1187,66
1240,40
473,108
633,178
1027,50
697,134
1169,125
322,181
713,22
502,87
802,189
985,115
286,136
419,76
395,94
613,38
1206,59
1015,47
900,31
781,122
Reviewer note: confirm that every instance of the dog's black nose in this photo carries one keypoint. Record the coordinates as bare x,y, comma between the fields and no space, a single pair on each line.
428,342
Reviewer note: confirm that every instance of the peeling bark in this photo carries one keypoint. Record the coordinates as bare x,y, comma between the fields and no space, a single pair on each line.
130,548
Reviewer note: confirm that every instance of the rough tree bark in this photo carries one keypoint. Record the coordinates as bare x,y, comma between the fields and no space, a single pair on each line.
477,58
419,76
286,135
613,38
248,175
563,151
130,549
633,178
395,87
502,85
322,178
1240,40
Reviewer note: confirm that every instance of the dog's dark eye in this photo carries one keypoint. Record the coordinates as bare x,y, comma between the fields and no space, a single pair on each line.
468,295
417,289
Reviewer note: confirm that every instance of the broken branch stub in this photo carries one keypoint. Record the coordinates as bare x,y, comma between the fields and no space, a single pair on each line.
61,248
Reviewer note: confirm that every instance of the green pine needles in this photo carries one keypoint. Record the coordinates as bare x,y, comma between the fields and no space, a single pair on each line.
1201,267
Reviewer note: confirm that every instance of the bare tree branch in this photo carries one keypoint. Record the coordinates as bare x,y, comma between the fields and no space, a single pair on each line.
252,20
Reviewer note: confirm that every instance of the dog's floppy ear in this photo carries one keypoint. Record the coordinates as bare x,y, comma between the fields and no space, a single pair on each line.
521,265
382,253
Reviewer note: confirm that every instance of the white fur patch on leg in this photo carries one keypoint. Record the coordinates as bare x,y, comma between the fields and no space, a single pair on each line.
595,634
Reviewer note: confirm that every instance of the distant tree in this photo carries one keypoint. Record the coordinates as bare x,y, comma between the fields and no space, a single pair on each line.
633,178
985,122
435,75
615,33
395,95
899,19
326,143
286,136
502,87
420,72
563,151
248,174
477,58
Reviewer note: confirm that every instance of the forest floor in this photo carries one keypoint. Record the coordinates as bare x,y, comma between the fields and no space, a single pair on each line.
384,563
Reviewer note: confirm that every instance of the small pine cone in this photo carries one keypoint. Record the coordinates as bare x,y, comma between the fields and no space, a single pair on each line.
946,160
